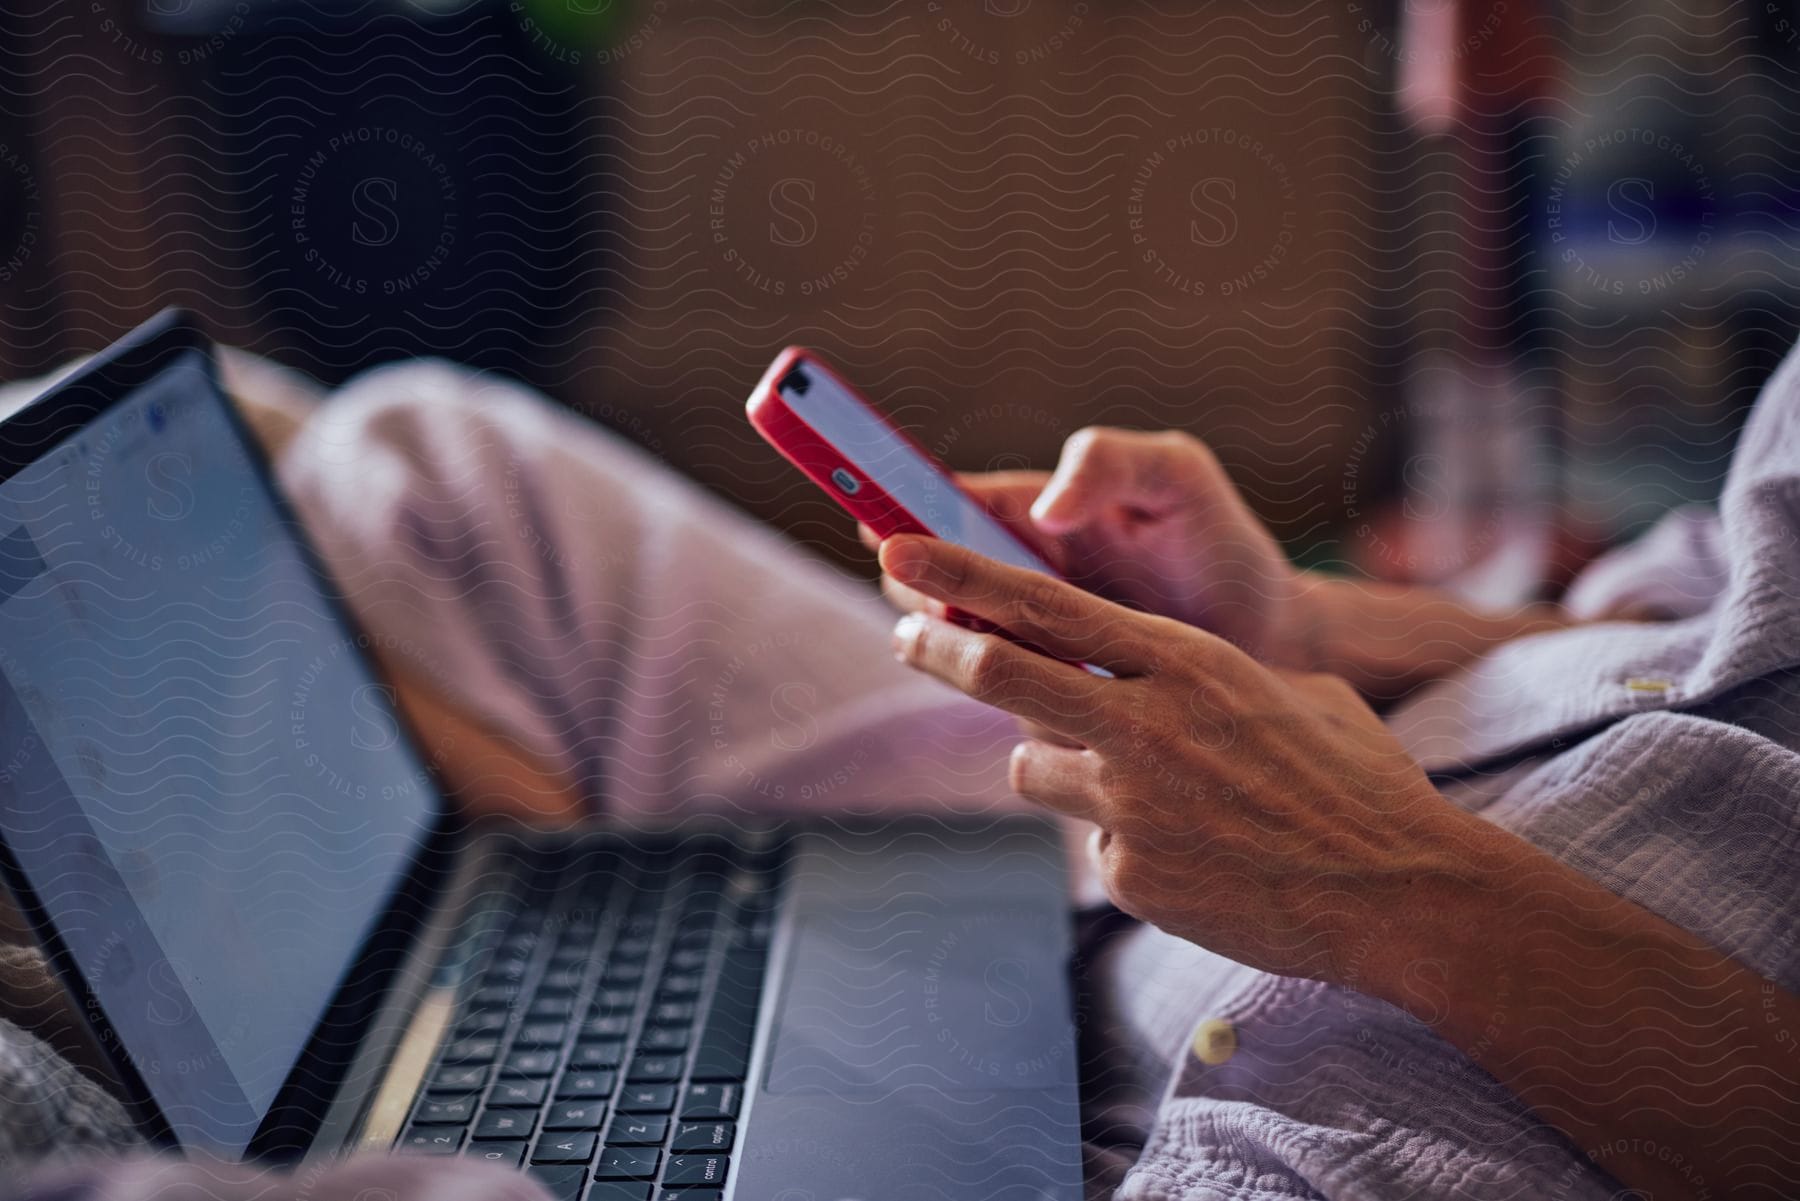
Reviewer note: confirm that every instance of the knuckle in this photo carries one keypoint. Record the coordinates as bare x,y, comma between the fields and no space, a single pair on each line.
984,666
1032,609
1139,825
1181,442
1182,462
1121,876
1340,688
1045,605
1207,657
1156,733
1114,781
1189,446
952,570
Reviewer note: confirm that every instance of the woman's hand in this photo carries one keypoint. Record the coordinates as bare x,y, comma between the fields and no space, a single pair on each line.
1152,521
1268,816
1263,814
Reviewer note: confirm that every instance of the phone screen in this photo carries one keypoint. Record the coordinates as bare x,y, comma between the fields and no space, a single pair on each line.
900,469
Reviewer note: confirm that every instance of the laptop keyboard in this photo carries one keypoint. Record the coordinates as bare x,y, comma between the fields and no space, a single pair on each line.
604,1044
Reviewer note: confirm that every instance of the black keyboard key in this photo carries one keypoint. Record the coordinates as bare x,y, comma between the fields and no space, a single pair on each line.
687,1170
724,1051
636,943
542,1034
692,959
648,1098
681,984
434,1140
565,1182
506,1124
637,1130
459,1080
618,974
690,1194
447,1111
488,1021
655,1069
627,1163
605,1025
589,1056
513,1093
619,1190
587,1086
561,980
717,1061
711,1101
672,1013
664,1038
575,1115
532,1063
703,1136
507,1154
566,1147
467,1051
616,1000
560,1008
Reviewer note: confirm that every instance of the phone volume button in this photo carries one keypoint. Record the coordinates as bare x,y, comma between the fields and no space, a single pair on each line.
846,483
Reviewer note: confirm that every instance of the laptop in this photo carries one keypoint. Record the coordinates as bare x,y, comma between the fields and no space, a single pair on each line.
287,946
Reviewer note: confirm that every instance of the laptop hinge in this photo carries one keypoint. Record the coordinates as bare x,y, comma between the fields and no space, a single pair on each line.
396,1050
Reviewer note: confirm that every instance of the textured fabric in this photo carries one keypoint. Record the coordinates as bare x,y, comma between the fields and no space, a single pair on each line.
371,1178
663,651
47,1106
1661,760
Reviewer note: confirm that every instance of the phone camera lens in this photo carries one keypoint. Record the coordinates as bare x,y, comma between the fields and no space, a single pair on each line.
796,382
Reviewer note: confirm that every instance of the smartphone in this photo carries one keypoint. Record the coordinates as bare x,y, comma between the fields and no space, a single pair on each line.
880,476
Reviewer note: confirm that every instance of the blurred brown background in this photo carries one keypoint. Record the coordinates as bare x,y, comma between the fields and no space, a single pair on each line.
1005,218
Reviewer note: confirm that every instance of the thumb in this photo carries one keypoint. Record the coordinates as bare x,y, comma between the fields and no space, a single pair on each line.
1092,472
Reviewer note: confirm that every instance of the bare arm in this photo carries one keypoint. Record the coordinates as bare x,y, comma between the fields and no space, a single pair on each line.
1673,1067
1328,854
1388,638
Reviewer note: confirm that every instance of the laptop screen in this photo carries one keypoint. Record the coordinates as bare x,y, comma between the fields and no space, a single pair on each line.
204,785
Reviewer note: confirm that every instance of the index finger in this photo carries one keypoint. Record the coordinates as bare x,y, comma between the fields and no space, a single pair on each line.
1055,616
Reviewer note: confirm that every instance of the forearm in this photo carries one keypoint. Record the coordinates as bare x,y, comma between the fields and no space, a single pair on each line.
1388,638
1673,1067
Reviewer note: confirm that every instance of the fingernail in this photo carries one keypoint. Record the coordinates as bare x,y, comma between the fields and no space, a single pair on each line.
906,635
1048,511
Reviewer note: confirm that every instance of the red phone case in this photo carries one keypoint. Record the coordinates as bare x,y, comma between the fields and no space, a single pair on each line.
807,449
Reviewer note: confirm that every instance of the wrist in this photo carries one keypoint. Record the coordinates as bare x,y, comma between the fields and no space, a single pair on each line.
1388,638
1442,947
1299,633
